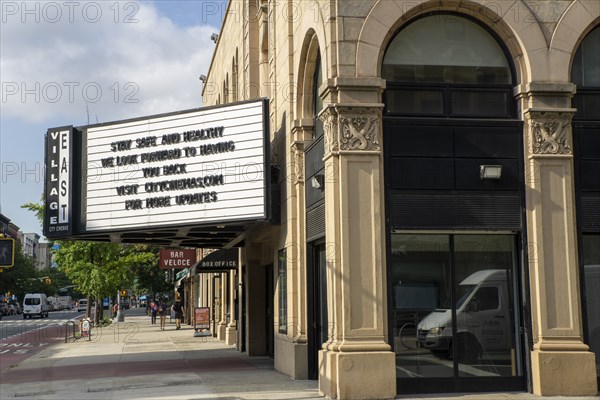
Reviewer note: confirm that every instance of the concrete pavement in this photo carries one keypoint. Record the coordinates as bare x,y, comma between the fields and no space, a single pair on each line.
136,360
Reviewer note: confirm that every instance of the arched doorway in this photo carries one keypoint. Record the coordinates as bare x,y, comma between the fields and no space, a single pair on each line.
585,73
453,157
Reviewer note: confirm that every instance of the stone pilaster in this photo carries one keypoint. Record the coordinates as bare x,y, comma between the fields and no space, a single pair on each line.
231,330
356,362
223,308
561,362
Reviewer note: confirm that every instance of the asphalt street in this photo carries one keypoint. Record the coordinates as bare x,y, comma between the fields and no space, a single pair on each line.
15,325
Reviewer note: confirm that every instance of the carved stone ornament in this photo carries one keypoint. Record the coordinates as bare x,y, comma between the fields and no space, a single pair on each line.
359,129
298,153
330,130
351,128
550,134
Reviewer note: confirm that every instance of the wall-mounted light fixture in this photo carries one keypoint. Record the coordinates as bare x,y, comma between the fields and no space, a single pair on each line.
214,37
317,181
203,78
490,171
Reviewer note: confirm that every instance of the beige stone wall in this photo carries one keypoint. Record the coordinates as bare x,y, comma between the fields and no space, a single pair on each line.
275,42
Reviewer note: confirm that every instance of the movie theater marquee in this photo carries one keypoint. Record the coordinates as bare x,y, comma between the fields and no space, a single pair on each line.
193,167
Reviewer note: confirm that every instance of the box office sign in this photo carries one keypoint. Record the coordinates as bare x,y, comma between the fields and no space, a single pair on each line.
200,167
58,183
177,258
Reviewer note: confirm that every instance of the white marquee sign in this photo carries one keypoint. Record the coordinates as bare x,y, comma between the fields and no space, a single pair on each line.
204,166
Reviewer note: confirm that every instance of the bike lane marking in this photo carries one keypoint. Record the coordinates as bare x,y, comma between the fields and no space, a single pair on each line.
18,347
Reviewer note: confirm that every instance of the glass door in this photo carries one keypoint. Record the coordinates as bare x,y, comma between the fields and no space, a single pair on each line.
454,315
317,305
591,277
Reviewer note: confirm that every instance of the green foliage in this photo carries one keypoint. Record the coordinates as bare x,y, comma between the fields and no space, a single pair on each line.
22,278
38,209
100,269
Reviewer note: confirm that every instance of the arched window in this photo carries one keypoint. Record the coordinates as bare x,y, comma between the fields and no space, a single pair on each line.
316,100
447,65
585,73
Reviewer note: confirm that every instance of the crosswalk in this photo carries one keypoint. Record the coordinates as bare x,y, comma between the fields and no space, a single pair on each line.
13,327
38,322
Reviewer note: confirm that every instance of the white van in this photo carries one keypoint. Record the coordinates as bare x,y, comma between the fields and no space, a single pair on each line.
81,305
35,304
483,315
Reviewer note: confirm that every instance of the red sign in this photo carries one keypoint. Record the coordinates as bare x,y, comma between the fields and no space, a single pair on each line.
177,258
202,318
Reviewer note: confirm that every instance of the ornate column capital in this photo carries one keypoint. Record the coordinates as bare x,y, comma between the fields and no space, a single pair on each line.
352,128
297,152
549,131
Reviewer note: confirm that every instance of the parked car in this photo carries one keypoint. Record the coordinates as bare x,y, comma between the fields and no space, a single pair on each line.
12,310
17,308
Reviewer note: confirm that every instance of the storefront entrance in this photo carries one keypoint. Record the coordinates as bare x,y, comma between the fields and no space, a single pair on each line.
454,179
455,320
317,305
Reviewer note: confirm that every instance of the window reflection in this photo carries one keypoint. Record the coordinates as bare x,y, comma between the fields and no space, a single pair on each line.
483,344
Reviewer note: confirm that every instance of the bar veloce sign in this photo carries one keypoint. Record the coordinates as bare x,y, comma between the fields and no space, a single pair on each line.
177,258
197,167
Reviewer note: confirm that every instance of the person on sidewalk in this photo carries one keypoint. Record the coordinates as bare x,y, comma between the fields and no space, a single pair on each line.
163,309
178,309
153,311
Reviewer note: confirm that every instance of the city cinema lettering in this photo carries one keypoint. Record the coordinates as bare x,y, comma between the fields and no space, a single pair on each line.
175,172
58,164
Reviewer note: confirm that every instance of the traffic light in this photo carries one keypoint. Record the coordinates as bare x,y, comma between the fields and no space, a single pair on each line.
7,252
48,281
123,292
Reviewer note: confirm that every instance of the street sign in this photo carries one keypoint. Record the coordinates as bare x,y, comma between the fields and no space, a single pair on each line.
7,252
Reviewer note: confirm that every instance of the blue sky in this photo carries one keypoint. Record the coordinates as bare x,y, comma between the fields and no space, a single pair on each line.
70,63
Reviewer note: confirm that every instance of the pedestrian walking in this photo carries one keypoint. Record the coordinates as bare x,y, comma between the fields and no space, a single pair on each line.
178,309
153,311
163,309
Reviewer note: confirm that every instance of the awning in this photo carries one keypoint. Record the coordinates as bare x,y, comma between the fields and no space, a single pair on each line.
223,260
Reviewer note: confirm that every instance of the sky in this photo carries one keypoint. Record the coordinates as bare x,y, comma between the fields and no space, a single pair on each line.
79,62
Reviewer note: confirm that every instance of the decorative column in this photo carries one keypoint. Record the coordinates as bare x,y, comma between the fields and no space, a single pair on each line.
223,307
231,329
291,348
356,362
561,363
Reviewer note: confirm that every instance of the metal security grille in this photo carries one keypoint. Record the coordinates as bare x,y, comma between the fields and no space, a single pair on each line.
315,223
455,211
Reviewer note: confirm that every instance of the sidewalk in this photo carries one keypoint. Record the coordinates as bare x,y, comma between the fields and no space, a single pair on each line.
136,360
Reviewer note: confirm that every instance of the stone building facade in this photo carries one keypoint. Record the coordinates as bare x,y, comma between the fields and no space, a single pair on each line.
438,166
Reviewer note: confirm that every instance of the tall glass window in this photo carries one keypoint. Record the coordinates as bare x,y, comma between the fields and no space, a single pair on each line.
591,273
282,289
454,304
447,65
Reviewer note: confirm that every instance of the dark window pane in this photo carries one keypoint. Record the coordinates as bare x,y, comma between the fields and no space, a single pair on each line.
479,103
586,63
587,105
414,101
445,48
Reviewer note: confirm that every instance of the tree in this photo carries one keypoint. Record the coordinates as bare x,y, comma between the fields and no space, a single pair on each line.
100,269
22,278
150,278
